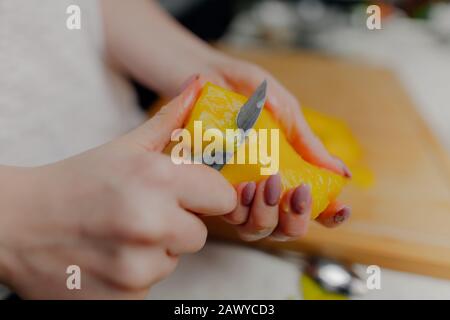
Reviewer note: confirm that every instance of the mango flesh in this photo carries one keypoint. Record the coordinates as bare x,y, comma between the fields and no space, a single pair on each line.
218,108
340,141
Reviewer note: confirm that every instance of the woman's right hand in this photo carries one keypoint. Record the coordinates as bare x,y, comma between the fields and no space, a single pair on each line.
122,212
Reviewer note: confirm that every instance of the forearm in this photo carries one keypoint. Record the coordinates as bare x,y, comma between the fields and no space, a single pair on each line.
14,199
151,46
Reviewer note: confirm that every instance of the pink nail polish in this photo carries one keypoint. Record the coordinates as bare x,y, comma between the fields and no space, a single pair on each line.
301,199
188,82
347,172
248,193
345,169
272,190
342,215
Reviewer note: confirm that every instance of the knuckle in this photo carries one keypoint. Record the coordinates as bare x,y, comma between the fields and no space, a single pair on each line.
192,240
151,168
136,227
260,225
160,226
118,220
123,269
119,226
129,271
235,218
162,172
129,218
125,223
293,233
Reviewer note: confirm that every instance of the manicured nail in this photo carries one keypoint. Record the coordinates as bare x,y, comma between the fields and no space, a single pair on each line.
248,193
189,81
345,169
342,215
347,172
189,94
272,190
301,199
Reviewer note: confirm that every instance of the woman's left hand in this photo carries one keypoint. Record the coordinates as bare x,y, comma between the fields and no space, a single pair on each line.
262,211
153,48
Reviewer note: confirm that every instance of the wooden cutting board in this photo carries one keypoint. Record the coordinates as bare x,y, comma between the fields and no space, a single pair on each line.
403,221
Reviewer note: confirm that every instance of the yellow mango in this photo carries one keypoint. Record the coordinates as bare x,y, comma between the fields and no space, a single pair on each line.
340,141
218,108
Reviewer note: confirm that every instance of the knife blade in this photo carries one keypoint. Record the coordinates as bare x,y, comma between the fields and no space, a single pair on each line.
246,119
251,110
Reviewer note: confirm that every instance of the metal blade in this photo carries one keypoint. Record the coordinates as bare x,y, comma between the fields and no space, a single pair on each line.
251,110
246,119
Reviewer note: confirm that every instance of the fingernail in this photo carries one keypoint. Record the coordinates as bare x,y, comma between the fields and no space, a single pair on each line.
342,215
301,199
190,93
347,172
188,82
345,169
248,193
272,190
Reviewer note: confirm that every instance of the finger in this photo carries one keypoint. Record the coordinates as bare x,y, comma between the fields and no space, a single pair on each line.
187,82
188,234
245,192
155,134
335,214
203,190
286,109
263,217
213,78
136,268
93,259
294,214
95,288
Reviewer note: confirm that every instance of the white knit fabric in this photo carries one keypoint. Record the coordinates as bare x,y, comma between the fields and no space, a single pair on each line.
57,95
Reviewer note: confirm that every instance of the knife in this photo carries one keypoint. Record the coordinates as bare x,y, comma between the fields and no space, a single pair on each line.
246,119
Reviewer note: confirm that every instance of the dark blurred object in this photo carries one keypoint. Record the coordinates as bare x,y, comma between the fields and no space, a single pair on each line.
208,19
334,276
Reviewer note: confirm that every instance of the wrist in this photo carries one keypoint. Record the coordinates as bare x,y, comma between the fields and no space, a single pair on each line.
15,197
205,60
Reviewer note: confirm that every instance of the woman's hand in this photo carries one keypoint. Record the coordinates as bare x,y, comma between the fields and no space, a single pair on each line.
288,218
146,42
122,212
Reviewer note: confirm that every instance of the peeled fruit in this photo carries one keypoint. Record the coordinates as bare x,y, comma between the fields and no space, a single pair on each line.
218,108
341,142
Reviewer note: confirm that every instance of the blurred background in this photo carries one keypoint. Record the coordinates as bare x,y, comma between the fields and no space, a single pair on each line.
405,63
415,41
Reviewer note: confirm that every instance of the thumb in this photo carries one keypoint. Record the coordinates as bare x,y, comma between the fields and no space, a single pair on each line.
155,134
